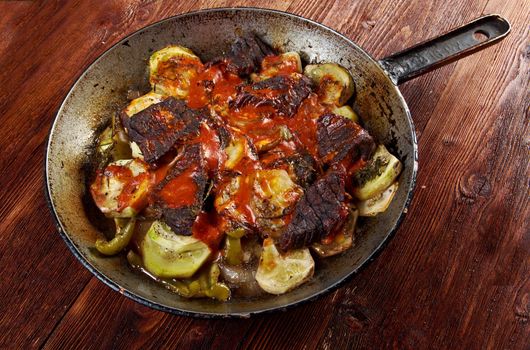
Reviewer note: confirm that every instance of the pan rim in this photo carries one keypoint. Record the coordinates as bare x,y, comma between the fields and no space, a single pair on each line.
181,312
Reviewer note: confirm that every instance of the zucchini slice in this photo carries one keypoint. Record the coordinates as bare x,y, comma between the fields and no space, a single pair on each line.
172,69
347,112
278,274
120,190
168,255
382,170
335,83
378,204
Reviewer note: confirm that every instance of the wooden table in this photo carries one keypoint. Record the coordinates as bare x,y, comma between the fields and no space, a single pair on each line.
456,275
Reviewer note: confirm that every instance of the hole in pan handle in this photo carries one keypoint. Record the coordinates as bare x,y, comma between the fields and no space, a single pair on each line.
446,48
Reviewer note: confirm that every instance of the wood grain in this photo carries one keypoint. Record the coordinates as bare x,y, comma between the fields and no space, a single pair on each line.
456,275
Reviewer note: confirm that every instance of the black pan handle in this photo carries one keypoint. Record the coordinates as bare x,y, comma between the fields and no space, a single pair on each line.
446,48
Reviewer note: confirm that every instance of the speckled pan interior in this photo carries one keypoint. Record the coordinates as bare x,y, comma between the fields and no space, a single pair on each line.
102,88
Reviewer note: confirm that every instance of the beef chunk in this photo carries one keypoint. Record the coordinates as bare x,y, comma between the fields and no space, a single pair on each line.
283,93
179,196
339,137
246,54
316,213
157,128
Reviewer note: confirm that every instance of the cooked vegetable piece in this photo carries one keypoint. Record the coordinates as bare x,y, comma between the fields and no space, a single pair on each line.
167,255
274,65
121,188
335,83
139,104
237,233
204,285
105,141
347,112
122,237
341,241
378,175
236,151
275,196
172,70
316,213
379,203
267,139
260,199
278,274
157,128
232,252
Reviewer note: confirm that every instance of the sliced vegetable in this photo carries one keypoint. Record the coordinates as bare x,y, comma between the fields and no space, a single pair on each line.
272,138
142,102
237,233
121,188
279,274
172,69
347,112
335,83
342,241
377,176
236,150
166,254
275,195
124,233
232,251
284,63
206,284
105,140
379,203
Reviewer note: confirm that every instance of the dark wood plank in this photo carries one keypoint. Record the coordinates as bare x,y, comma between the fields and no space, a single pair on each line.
455,275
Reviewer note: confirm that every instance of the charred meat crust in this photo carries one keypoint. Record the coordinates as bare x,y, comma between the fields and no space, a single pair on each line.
157,128
339,137
181,219
316,213
284,93
245,55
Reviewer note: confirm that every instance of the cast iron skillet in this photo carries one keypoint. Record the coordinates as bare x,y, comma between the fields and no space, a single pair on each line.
102,88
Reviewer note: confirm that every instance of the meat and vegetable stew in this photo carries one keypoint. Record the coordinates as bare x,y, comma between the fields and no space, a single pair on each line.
230,177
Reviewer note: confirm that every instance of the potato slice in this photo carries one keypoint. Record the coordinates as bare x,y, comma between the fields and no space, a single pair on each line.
168,255
378,204
120,190
377,176
278,274
335,83
172,69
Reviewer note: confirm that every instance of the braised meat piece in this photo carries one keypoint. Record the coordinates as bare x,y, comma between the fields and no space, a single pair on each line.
157,128
315,215
179,196
246,54
283,93
339,137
